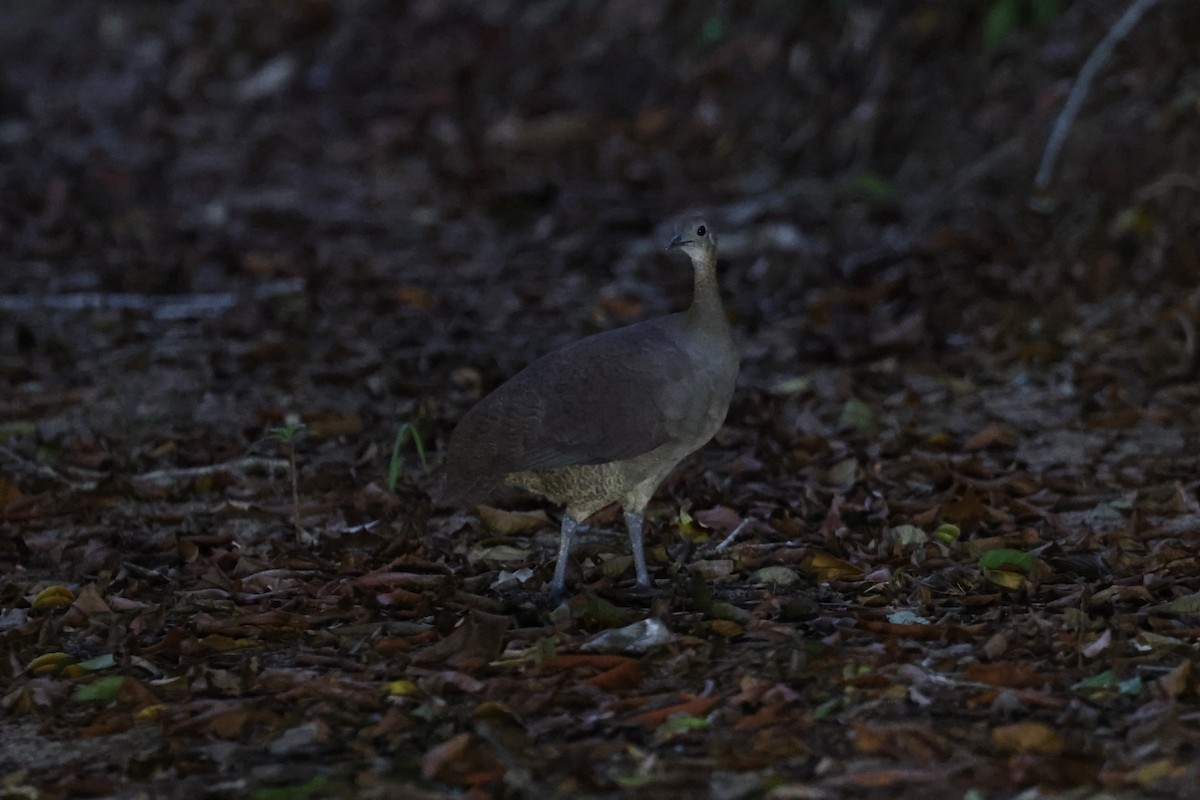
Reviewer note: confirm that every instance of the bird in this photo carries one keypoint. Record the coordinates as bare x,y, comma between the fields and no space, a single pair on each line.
606,418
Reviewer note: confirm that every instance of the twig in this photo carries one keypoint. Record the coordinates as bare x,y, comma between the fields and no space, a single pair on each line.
163,307
159,475
1187,363
49,472
187,473
1083,83
294,477
145,572
1168,182
728,540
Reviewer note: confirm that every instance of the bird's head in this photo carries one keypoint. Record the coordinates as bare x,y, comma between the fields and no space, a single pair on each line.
697,240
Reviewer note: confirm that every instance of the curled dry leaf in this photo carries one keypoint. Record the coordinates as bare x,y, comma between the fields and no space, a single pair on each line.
508,523
1034,738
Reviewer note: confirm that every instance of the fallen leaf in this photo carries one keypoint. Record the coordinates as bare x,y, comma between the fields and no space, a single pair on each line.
9,493
480,636
507,523
89,601
1176,682
778,576
694,707
413,296
829,567
54,597
437,761
992,437
1028,737
721,518
638,637
1098,645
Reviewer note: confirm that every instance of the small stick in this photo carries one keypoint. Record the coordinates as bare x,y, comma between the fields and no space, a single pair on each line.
48,472
238,466
175,307
728,540
1083,84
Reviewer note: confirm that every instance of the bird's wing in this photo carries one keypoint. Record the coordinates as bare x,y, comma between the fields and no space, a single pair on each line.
604,398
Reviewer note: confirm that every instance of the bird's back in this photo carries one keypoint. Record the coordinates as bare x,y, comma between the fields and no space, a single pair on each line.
609,397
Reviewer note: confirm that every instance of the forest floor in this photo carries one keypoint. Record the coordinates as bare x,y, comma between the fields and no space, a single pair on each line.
260,257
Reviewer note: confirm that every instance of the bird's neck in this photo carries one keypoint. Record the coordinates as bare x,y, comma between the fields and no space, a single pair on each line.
706,295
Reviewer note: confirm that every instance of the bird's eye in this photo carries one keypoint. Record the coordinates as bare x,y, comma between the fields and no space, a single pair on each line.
701,231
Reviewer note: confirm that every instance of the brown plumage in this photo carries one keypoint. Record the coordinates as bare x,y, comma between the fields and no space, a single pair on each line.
605,419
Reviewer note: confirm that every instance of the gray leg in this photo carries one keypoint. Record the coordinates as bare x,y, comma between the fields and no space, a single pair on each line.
564,552
633,521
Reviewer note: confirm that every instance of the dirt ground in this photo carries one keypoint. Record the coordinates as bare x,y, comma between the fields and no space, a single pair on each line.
259,257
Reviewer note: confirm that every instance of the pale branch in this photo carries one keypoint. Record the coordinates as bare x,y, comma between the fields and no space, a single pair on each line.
162,307
238,466
1083,84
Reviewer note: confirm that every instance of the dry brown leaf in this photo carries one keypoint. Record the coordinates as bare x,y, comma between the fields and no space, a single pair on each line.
1005,673
829,567
993,436
507,523
89,601
1033,738
9,493
1176,682
1098,645
328,424
414,297
438,760
721,518
479,637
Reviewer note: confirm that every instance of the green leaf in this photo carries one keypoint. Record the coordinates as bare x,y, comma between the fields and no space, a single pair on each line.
1130,687
1005,578
1006,558
776,575
599,612
403,434
728,611
827,708
319,786
858,415
101,690
1185,604
713,30
789,386
1105,680
909,536
1044,11
1001,20
632,780
98,663
287,434
843,474
681,723
947,533
873,186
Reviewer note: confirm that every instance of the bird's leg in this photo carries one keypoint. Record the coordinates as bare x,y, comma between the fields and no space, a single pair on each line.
569,526
634,522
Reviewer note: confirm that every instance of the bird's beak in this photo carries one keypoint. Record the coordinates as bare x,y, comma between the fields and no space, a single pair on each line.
677,241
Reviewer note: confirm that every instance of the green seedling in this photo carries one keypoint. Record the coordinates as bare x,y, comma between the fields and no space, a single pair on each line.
403,434
288,435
